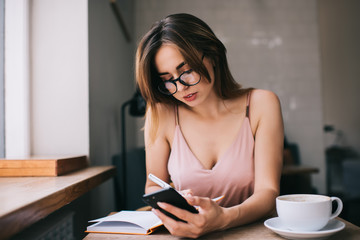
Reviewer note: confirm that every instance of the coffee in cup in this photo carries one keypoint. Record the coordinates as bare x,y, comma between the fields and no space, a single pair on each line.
306,212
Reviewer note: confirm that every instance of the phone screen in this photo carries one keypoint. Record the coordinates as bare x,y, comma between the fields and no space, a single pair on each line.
171,196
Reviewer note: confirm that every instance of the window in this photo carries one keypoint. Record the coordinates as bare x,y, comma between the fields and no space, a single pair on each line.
15,82
2,97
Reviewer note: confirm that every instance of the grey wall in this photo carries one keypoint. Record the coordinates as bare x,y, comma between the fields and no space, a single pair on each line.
272,45
111,84
340,50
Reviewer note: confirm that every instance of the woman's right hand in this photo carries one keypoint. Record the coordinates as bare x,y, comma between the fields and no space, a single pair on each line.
186,192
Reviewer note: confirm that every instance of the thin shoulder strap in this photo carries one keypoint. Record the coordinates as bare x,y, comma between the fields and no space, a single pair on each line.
176,115
248,105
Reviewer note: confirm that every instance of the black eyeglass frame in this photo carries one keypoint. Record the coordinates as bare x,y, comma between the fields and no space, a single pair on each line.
178,80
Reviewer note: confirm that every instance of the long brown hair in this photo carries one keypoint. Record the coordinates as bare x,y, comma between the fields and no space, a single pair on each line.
193,38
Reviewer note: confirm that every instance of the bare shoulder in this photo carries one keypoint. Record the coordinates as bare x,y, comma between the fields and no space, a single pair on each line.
264,104
263,96
164,120
164,112
264,99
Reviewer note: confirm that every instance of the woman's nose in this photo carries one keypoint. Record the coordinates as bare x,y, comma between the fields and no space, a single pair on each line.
181,87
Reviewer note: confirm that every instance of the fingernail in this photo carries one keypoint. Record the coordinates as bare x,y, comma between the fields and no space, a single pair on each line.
190,198
160,204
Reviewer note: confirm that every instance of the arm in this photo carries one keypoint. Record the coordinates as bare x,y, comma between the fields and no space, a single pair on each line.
157,152
268,152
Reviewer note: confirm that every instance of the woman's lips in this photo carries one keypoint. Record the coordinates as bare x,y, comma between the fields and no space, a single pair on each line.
190,97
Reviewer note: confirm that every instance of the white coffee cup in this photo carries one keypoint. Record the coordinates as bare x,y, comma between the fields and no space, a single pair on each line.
306,212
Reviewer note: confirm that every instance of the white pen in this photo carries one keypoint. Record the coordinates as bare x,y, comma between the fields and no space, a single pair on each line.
163,184
158,181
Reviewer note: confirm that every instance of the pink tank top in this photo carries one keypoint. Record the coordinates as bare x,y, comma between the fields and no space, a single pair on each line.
232,175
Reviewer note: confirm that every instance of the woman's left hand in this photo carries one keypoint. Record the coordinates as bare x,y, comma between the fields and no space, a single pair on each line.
209,218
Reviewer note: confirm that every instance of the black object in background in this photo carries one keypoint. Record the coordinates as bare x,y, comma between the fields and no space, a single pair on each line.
129,196
131,174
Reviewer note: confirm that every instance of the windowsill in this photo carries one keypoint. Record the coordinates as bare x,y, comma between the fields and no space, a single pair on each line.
26,200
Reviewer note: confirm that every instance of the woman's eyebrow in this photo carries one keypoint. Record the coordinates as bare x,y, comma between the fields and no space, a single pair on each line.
177,68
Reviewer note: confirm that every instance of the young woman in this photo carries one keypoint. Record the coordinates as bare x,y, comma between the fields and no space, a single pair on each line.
204,132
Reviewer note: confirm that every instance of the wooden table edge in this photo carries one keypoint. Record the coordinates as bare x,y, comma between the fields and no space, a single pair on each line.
23,217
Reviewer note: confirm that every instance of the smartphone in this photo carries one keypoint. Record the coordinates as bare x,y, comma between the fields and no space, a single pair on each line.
171,196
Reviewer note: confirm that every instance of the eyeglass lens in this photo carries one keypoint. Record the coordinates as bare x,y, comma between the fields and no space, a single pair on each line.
188,78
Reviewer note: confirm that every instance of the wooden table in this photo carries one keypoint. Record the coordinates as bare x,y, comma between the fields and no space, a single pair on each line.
252,231
26,200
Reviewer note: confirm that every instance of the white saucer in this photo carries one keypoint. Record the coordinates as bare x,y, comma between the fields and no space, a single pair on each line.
332,227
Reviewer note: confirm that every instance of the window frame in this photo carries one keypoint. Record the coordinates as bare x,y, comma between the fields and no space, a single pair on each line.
2,79
17,78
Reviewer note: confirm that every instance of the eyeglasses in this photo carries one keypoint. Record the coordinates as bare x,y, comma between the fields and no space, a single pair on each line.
187,78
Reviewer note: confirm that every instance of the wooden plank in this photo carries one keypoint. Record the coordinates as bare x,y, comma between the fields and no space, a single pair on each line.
41,166
24,200
293,170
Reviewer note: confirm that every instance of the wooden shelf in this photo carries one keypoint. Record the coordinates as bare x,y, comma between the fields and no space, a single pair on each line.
295,170
26,200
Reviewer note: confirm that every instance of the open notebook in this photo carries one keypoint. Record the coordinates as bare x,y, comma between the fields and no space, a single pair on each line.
126,222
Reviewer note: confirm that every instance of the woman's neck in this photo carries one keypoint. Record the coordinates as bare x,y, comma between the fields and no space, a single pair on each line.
213,108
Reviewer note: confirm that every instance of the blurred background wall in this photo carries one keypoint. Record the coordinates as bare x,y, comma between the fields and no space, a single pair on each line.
111,83
339,23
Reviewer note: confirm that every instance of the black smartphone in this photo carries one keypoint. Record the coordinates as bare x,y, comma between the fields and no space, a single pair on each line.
171,196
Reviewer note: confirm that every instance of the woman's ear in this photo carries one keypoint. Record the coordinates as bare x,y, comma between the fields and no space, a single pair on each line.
212,61
209,60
